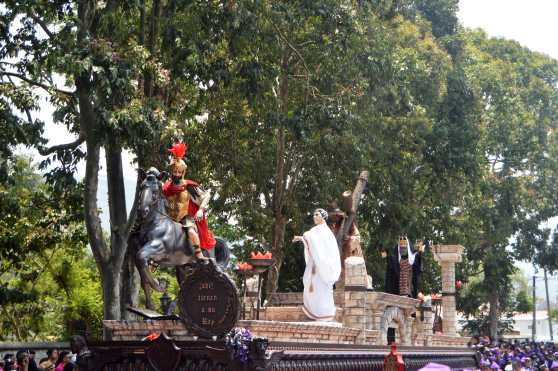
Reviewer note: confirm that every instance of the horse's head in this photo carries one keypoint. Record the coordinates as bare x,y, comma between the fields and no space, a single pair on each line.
151,191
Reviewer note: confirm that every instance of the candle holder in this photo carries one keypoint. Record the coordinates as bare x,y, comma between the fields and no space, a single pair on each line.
260,266
244,274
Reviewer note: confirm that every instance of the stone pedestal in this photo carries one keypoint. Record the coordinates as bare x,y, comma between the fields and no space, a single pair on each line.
354,311
447,256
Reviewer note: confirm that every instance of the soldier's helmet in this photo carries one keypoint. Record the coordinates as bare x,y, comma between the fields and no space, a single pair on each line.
177,164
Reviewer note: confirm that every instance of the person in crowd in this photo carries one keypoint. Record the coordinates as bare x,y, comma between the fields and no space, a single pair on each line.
9,362
517,356
32,362
63,359
52,355
22,360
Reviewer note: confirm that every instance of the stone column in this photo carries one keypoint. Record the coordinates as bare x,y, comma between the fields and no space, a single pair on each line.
447,256
428,318
354,311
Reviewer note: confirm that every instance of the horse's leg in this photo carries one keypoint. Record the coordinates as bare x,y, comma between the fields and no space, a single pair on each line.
142,257
145,284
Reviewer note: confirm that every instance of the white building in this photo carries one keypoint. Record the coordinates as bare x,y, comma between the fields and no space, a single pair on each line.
523,324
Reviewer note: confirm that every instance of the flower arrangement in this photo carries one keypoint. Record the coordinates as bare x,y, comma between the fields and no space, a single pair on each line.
259,255
238,342
243,266
152,336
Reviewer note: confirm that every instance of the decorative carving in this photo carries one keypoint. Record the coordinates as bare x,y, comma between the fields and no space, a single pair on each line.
208,300
162,354
397,315
203,356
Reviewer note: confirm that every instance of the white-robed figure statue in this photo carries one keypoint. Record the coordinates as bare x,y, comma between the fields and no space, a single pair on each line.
323,267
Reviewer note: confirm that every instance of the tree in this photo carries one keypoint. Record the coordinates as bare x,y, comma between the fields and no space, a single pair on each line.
511,197
41,261
320,91
111,57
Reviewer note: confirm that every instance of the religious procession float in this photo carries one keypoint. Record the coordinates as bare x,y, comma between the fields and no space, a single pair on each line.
337,323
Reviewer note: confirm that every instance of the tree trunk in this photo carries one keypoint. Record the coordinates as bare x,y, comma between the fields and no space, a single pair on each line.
118,226
278,253
110,279
152,43
130,285
281,172
493,315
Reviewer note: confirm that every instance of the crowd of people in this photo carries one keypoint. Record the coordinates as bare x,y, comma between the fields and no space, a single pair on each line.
518,356
25,361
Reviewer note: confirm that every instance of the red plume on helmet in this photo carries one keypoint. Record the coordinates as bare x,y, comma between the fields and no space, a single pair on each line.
179,150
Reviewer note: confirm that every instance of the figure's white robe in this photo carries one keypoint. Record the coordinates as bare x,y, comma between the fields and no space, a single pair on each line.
323,267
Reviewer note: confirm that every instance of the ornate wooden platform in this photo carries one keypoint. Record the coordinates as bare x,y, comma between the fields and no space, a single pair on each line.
164,354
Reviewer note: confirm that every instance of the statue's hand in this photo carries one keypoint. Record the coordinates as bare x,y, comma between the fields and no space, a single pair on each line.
420,246
199,215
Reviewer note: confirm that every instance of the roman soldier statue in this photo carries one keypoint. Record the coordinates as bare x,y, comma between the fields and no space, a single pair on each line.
187,202
403,268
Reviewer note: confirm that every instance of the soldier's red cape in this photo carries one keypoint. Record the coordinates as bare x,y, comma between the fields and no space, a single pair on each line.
207,240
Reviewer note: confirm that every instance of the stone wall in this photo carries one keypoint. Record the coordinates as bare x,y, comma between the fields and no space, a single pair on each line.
369,313
137,330
306,332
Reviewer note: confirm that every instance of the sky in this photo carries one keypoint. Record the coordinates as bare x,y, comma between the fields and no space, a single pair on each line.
532,23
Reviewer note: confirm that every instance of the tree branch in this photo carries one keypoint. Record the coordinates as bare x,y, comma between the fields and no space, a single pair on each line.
291,46
71,145
36,83
41,23
29,119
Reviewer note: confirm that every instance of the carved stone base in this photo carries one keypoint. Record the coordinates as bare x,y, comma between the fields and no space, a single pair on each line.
291,314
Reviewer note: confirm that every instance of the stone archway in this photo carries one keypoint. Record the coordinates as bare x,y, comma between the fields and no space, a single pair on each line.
397,315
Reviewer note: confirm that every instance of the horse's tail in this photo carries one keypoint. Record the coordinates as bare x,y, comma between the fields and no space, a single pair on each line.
222,252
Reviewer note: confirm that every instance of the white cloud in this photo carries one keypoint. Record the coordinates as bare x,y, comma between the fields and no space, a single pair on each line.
532,23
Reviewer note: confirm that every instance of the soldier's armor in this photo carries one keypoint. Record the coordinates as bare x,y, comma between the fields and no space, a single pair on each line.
178,205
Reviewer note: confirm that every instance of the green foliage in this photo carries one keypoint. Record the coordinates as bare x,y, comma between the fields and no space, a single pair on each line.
524,302
47,279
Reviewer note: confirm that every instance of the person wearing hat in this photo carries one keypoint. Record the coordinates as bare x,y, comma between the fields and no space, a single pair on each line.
323,268
403,268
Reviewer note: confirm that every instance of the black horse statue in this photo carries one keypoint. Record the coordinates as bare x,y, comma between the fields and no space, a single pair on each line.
161,241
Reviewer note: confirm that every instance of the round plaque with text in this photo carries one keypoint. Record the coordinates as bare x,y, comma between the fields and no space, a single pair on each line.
208,301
